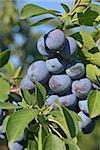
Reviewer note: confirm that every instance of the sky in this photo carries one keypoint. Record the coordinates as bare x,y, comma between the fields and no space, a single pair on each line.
49,4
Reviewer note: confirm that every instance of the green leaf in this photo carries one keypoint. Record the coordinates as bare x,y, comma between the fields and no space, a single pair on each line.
85,19
4,90
59,118
40,138
15,96
88,42
73,121
94,103
18,121
18,72
95,8
53,142
3,75
65,7
9,67
94,50
40,94
40,22
27,96
32,145
6,105
71,145
95,58
93,73
31,10
4,57
5,121
70,123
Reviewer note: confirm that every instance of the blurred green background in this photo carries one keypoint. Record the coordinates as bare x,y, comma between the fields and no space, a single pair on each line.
16,35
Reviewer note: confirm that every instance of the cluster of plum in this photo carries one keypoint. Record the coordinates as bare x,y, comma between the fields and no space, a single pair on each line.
63,77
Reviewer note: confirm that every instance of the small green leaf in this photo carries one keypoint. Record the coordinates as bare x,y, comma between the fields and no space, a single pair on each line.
4,57
88,42
32,145
40,138
6,105
71,145
59,117
5,121
94,103
65,7
4,90
94,50
53,142
9,67
40,94
72,120
93,73
70,123
18,72
84,16
95,58
18,121
27,96
3,75
40,22
31,10
95,8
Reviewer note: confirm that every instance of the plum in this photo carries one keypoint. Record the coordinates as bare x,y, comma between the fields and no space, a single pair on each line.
38,71
69,48
51,99
26,83
85,120
83,105
15,146
76,71
54,66
55,39
41,46
60,83
87,125
81,88
67,100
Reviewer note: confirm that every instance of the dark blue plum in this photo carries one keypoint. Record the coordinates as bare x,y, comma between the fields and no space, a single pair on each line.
76,71
81,88
60,83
